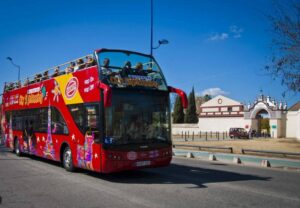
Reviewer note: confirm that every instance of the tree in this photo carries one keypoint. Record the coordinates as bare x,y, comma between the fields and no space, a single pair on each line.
285,59
206,97
191,114
178,115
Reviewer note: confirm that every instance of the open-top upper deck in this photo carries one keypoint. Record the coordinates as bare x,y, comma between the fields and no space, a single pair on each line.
65,68
117,69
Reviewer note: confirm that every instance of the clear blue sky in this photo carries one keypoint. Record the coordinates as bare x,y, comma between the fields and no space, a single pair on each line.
216,46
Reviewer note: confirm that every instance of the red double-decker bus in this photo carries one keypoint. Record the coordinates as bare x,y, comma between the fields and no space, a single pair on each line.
107,112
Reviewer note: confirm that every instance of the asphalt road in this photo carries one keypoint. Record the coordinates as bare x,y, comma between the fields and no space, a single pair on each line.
34,182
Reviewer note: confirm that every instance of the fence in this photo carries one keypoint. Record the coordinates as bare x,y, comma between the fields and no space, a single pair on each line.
201,135
230,149
284,154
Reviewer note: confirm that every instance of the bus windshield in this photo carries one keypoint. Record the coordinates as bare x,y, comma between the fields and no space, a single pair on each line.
137,118
123,69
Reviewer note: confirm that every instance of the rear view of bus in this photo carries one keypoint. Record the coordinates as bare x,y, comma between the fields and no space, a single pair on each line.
136,112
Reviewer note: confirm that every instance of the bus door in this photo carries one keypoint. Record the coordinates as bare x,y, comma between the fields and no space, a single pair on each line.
91,141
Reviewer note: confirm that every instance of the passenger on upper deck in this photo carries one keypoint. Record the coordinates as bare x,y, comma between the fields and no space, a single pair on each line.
139,70
90,61
79,65
26,83
38,77
19,84
126,70
56,72
10,86
105,67
70,68
45,75
35,79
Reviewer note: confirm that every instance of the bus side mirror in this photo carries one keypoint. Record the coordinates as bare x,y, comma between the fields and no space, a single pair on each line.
106,93
182,95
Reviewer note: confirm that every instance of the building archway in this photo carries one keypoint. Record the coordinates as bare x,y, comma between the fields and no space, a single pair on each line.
263,122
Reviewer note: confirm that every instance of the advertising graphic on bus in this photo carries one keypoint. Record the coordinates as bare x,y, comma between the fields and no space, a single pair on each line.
107,112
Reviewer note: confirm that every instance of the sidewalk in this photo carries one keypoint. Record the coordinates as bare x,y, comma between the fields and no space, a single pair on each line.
270,144
244,159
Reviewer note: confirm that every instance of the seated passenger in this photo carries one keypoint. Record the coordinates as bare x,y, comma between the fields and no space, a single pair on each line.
70,68
35,79
56,72
105,67
139,69
32,81
18,84
38,77
45,75
90,61
11,86
26,83
79,65
126,70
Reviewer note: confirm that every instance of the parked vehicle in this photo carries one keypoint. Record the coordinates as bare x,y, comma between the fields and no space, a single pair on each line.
238,133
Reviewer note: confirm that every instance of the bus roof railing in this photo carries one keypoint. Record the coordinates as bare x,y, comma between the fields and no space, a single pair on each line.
65,68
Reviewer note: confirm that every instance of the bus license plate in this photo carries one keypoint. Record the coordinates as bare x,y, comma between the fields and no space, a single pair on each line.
142,163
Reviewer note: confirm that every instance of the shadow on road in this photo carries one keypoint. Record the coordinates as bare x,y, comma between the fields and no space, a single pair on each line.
177,174
173,174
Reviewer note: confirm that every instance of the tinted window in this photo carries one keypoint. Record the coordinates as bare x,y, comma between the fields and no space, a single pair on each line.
58,124
137,117
42,119
77,112
17,120
38,119
86,116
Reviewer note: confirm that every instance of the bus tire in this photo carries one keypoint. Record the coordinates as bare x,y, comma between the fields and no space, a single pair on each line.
67,159
17,147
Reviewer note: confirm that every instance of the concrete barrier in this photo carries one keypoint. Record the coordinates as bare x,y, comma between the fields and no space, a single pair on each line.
245,159
237,160
199,147
190,155
265,163
212,157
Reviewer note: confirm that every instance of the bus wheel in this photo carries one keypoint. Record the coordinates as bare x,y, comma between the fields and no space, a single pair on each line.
67,160
17,148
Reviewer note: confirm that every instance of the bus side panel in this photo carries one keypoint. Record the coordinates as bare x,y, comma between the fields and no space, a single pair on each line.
86,155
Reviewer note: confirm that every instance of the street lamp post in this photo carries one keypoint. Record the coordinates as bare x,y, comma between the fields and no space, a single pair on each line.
160,42
151,29
19,68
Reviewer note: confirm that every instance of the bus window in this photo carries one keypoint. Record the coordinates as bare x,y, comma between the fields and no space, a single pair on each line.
92,116
59,125
17,120
85,116
41,126
77,113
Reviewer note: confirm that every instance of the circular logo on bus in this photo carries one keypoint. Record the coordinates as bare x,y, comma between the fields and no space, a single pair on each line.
71,88
131,155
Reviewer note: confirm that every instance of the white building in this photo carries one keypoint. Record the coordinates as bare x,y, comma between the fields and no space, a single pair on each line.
293,121
222,113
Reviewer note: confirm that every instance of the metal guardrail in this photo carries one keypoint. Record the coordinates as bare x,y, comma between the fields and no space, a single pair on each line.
271,152
204,147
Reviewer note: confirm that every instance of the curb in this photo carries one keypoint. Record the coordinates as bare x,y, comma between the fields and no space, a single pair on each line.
241,159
